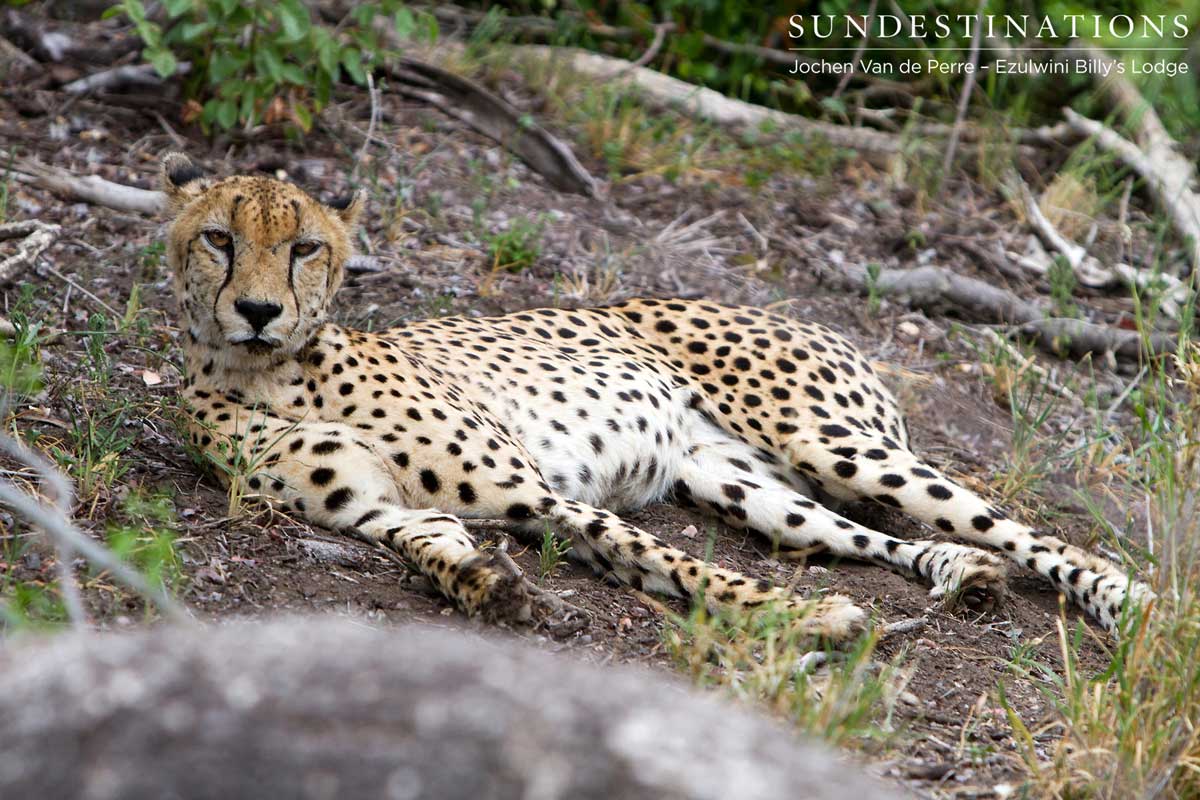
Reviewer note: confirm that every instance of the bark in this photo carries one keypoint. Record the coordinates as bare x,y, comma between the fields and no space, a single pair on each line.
495,118
934,289
321,708
661,90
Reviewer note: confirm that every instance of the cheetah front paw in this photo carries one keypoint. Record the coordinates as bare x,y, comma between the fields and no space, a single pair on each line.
493,587
509,597
961,574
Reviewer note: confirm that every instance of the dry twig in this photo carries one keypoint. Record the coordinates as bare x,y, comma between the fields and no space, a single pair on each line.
36,236
122,77
55,522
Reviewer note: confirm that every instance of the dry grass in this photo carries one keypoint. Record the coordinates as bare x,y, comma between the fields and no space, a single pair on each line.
1131,731
1072,204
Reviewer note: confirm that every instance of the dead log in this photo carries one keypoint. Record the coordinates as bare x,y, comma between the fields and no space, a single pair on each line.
663,91
935,289
1170,176
322,708
495,118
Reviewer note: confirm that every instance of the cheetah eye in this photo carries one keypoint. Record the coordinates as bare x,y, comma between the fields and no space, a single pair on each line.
218,239
305,249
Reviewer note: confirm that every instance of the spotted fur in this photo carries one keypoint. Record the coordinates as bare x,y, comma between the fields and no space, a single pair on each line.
558,416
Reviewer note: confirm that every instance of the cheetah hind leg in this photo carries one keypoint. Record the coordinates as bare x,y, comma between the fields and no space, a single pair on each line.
877,468
721,476
647,563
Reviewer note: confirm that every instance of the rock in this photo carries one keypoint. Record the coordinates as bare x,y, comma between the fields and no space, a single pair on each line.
321,708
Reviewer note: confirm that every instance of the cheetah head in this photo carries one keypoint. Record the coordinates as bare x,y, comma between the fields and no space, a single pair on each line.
256,261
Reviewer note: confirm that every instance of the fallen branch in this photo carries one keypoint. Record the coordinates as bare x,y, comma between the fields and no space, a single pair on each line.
1172,292
36,237
663,91
935,289
121,78
1168,175
495,118
89,189
13,58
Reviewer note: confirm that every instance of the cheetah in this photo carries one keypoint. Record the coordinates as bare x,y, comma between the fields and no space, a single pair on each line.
560,417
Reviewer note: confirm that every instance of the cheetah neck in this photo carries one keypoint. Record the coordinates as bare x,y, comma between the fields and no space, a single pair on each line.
265,379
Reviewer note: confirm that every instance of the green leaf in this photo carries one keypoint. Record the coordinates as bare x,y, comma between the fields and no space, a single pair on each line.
192,31
247,109
163,61
303,116
227,114
327,52
177,8
406,23
227,7
135,11
352,61
295,21
293,74
220,67
270,63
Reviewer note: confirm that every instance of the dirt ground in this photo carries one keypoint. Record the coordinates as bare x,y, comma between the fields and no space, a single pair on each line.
955,742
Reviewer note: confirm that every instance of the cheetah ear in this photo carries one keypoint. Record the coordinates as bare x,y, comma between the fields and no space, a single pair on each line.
181,180
348,208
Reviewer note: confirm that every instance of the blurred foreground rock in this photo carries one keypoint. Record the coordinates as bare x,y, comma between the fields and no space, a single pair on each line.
325,709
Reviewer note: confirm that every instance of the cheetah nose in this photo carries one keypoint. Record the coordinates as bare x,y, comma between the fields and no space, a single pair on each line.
258,314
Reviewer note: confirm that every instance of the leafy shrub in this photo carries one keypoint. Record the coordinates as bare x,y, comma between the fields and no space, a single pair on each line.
519,246
254,61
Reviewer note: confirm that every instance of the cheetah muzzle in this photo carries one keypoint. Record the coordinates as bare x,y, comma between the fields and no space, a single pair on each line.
560,417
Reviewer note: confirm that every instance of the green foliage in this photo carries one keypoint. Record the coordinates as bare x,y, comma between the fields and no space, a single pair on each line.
518,247
551,554
1062,287
146,539
768,658
874,290
20,363
254,61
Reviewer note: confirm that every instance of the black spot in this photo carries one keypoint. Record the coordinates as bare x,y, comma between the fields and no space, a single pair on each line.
518,511
861,541
429,480
466,493
834,431
845,469
892,481
321,476
938,492
338,498
734,492
373,514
